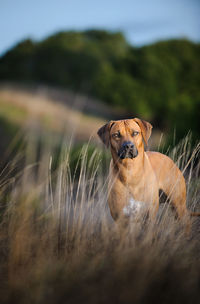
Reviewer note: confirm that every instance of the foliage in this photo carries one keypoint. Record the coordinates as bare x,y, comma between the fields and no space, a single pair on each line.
159,82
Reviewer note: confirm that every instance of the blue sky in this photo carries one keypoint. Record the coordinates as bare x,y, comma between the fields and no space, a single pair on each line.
142,21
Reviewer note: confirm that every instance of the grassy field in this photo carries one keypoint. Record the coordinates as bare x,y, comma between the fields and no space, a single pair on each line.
24,108
58,242
55,118
57,111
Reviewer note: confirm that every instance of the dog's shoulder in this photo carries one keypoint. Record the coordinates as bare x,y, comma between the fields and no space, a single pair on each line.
158,158
165,169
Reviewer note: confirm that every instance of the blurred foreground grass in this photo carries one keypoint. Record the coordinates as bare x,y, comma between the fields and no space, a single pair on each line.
59,244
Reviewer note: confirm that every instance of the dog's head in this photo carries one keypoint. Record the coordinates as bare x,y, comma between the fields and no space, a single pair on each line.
125,137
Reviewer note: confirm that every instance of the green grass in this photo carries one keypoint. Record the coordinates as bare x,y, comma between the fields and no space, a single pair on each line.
12,113
19,115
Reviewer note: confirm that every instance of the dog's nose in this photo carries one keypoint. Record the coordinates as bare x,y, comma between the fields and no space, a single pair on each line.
128,145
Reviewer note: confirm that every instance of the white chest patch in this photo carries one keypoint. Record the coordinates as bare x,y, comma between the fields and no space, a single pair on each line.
133,207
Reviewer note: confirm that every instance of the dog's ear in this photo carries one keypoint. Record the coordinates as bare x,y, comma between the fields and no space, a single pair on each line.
145,128
104,133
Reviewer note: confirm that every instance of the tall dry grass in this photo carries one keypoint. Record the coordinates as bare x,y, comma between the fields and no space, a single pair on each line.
58,243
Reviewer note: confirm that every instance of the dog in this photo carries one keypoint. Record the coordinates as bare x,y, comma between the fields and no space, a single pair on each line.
136,176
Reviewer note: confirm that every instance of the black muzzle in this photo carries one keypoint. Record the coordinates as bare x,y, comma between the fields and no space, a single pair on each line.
127,150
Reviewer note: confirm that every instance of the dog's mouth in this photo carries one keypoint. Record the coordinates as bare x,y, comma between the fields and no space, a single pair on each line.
127,153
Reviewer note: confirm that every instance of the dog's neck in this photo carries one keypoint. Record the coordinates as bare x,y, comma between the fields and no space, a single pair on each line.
129,170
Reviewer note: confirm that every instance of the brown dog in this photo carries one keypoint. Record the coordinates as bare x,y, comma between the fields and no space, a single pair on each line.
136,176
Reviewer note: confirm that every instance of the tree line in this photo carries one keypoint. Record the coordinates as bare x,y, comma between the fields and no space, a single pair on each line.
159,82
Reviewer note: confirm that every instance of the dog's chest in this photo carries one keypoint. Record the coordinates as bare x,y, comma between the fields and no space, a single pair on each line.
134,207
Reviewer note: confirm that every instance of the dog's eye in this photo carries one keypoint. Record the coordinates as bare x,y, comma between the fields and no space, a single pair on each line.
116,135
135,133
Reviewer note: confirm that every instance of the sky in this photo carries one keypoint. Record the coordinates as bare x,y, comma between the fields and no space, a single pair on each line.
142,21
